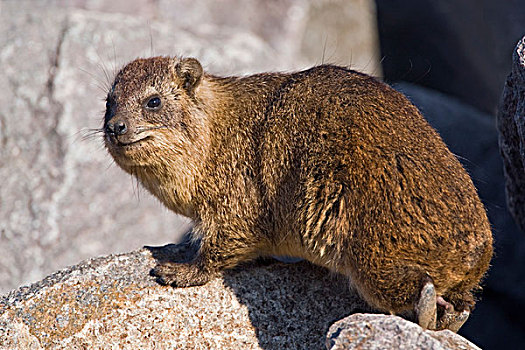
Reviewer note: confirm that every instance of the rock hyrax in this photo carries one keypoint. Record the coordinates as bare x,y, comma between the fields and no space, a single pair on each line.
326,164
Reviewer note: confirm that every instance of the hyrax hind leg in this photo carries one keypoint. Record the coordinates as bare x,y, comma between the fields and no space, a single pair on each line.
427,311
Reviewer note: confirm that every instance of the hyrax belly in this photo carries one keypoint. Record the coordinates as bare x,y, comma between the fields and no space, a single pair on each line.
326,164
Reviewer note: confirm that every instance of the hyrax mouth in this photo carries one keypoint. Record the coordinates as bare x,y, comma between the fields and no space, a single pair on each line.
130,151
121,134
125,142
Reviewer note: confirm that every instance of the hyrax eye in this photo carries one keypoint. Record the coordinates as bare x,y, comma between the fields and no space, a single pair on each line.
154,103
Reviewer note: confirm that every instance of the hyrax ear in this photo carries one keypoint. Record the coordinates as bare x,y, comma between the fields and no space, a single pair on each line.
189,71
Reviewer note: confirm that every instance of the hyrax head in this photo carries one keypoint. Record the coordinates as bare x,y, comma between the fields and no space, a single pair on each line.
149,110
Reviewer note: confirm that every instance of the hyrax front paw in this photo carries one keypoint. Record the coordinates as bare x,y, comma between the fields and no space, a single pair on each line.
180,274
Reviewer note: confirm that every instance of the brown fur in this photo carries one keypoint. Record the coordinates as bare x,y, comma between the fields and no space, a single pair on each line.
326,164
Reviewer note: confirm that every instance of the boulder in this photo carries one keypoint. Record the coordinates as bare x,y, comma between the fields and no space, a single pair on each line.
61,199
511,126
301,33
377,332
112,302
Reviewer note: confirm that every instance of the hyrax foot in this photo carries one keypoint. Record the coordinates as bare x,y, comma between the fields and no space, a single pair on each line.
426,309
180,274
451,319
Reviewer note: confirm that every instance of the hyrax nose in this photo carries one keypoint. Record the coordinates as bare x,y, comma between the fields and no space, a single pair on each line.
117,128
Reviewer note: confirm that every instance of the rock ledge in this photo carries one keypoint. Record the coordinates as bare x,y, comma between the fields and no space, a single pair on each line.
112,301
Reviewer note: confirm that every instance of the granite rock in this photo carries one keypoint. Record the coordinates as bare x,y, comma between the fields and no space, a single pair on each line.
377,332
301,33
112,302
511,126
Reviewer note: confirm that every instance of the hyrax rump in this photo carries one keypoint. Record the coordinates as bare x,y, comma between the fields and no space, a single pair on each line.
326,164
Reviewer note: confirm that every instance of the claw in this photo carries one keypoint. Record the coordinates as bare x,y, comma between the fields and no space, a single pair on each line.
162,277
442,302
179,274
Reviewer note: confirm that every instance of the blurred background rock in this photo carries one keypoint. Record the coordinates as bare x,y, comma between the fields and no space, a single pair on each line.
62,199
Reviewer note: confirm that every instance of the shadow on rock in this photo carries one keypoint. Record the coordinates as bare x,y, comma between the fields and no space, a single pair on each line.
290,306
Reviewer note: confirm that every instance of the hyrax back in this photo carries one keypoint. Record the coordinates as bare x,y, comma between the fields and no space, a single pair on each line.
326,164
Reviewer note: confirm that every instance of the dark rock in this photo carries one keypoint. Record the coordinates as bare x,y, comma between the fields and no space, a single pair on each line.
511,125
459,47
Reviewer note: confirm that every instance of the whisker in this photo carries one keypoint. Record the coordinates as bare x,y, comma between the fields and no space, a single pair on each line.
89,134
324,48
110,165
100,83
409,70
114,63
104,69
151,48
135,183
102,66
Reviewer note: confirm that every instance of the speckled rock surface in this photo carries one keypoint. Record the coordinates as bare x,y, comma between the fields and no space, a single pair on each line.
112,302
511,125
367,331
